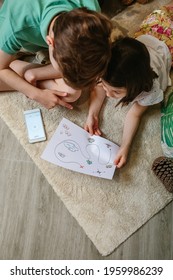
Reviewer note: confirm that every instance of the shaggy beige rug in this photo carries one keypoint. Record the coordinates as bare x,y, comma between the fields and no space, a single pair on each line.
109,211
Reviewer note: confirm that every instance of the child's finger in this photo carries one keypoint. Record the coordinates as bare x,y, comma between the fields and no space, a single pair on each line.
117,162
61,93
120,163
85,127
97,132
90,130
64,104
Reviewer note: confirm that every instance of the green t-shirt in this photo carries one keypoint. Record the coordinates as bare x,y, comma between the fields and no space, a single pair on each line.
24,23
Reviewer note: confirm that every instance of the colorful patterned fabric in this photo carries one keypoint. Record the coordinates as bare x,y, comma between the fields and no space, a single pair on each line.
160,25
167,127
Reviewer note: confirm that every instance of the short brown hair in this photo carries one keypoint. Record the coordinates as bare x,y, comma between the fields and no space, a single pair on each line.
82,46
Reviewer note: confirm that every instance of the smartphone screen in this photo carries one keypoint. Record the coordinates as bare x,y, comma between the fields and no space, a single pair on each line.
34,124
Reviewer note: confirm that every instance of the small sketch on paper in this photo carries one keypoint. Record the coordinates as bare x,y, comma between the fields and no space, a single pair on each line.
69,151
74,148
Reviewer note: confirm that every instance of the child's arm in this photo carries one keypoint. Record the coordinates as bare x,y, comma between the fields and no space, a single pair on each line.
48,98
97,97
33,72
41,72
131,124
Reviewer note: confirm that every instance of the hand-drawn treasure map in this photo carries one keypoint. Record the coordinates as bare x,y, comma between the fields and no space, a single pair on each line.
74,148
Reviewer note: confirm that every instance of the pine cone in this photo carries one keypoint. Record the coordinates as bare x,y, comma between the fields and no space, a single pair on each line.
163,169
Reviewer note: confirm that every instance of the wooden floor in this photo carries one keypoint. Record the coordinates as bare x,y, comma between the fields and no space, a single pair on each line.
34,223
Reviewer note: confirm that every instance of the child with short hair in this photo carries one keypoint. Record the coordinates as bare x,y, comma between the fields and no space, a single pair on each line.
76,34
138,72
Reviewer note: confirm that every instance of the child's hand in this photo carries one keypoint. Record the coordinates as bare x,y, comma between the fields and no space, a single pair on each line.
51,98
121,157
91,125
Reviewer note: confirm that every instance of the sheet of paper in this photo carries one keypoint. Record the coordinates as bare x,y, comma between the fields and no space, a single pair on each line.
74,148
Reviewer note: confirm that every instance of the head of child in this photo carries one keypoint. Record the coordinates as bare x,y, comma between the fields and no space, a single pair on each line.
81,46
129,71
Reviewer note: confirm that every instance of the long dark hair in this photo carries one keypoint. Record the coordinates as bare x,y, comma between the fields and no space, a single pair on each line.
129,67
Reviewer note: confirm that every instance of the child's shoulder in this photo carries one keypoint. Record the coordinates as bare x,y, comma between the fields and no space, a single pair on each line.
152,42
152,97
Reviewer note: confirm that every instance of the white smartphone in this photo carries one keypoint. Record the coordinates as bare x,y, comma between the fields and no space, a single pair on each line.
34,124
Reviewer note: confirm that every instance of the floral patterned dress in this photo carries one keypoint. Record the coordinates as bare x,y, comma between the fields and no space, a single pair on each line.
160,25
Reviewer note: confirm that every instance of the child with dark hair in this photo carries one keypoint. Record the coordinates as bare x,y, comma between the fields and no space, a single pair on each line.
138,72
76,34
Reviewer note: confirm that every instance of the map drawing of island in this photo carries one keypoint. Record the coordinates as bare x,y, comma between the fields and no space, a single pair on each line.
74,148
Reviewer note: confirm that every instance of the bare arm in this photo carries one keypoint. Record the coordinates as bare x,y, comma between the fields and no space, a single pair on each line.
131,124
97,97
48,98
5,60
41,72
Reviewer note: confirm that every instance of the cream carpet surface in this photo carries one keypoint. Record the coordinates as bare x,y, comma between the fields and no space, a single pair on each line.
109,211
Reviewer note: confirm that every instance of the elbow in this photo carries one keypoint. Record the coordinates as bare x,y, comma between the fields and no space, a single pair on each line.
29,76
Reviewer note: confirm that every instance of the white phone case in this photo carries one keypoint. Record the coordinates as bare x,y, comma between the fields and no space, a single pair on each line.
34,124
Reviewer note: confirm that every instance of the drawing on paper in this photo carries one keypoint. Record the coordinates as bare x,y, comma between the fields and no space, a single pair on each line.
74,148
